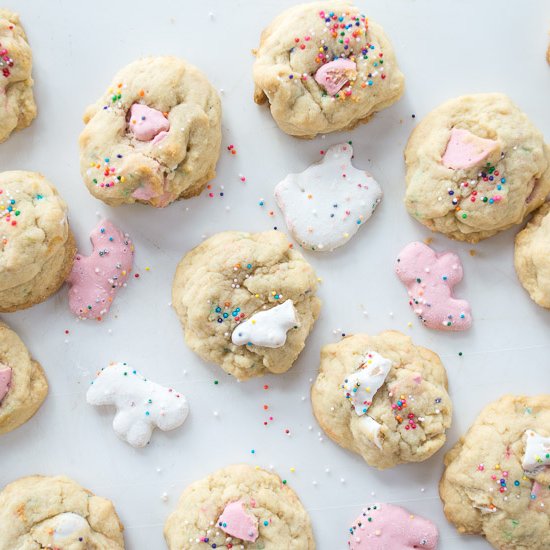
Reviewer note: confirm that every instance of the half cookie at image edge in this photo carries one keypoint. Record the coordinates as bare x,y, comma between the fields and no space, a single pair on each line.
154,136
37,245
497,477
325,67
383,398
23,384
246,302
55,512
325,205
476,165
17,108
239,506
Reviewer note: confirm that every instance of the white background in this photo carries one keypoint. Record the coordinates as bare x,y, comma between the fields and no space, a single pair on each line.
445,49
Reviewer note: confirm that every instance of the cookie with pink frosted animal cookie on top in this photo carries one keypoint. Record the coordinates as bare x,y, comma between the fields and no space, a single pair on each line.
154,136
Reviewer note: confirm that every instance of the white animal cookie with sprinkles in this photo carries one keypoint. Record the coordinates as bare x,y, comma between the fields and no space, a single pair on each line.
326,204
537,453
141,404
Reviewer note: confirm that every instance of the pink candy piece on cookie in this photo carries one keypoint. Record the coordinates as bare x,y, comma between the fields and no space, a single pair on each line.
387,527
333,76
465,149
5,381
430,278
238,523
95,279
147,124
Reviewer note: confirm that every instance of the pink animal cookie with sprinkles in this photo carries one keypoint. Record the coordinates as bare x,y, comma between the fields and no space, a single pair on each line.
430,279
238,523
388,527
94,280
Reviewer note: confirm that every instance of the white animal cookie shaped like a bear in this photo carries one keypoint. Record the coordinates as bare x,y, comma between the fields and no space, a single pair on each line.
141,404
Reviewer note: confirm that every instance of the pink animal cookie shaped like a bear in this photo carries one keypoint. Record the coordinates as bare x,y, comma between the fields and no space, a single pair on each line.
95,279
388,527
430,278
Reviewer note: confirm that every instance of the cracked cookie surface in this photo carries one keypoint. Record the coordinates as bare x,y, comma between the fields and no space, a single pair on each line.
485,489
401,417
55,512
475,165
325,67
37,247
17,108
275,516
154,136
229,278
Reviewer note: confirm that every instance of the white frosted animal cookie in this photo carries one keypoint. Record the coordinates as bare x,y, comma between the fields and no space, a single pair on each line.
326,204
537,453
267,328
141,404
361,387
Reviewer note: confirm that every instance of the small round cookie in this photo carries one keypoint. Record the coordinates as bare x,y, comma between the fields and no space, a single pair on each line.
325,67
246,302
23,384
532,256
239,507
383,398
17,108
497,477
154,136
37,247
476,165
55,512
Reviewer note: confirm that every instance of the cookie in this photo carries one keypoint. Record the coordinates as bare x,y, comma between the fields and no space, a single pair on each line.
430,279
154,136
389,527
532,256
36,248
496,478
95,279
23,384
476,165
17,109
246,302
383,398
239,507
326,204
141,405
325,67
55,512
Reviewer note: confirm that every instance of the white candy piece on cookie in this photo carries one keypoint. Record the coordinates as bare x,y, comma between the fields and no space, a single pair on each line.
361,387
67,524
141,404
326,204
537,453
267,328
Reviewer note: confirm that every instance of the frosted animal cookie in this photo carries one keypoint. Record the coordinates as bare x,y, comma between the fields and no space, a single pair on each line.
383,398
326,204
239,507
23,384
141,404
246,302
388,527
94,280
476,165
532,256
496,480
17,108
430,279
36,247
325,67
55,512
154,136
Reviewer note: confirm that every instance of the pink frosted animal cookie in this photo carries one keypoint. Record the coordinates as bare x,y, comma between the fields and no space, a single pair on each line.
147,124
334,75
465,149
387,527
430,278
238,523
95,279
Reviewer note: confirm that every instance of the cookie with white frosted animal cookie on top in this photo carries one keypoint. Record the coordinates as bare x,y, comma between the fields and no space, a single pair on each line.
246,301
